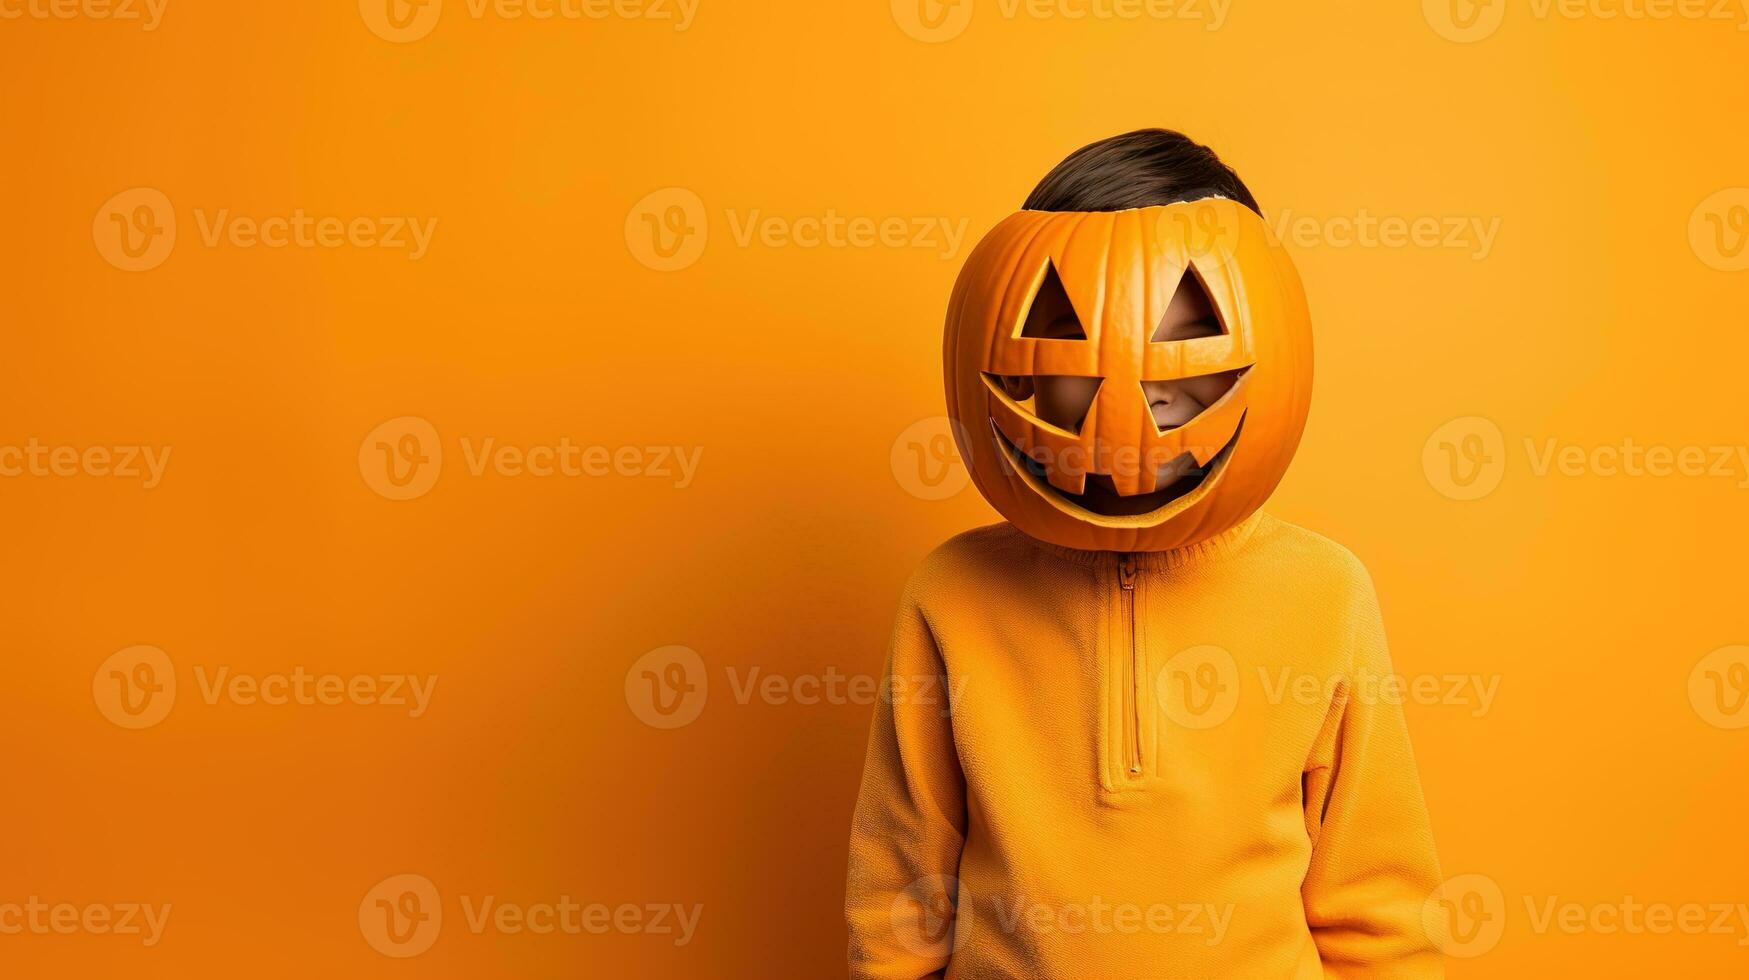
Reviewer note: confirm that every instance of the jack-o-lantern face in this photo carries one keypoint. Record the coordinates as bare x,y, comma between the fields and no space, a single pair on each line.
1073,309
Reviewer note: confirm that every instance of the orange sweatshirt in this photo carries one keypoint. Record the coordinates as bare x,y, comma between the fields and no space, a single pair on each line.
1176,764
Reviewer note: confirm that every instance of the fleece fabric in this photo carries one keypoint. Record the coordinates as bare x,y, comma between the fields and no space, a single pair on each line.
1184,764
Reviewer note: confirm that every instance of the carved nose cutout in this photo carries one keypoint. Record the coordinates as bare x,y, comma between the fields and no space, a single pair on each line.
1052,316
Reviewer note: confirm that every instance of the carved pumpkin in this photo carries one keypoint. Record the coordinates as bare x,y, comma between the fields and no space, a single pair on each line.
1119,271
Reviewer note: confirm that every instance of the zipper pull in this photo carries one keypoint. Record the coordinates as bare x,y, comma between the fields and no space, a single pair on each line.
1126,572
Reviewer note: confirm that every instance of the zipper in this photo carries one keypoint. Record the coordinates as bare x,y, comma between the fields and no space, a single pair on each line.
1132,722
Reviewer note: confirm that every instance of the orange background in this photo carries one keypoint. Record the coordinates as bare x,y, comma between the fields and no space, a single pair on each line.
531,319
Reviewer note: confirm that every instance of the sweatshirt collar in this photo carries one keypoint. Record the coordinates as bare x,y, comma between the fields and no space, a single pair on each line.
1222,545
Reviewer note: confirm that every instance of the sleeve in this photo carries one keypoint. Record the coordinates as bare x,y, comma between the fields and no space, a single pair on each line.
1373,864
910,820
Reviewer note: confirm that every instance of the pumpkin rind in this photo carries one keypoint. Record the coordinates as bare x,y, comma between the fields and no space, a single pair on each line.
1120,270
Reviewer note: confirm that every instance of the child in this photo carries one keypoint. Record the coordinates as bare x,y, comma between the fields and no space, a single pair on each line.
1163,758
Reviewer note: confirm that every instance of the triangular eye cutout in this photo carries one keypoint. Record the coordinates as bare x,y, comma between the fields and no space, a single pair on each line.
1052,316
1191,313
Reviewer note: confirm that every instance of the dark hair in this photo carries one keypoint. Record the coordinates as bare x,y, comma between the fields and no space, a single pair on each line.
1137,170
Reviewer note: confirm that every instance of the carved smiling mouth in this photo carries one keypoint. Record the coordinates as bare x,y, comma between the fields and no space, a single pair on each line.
1182,484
